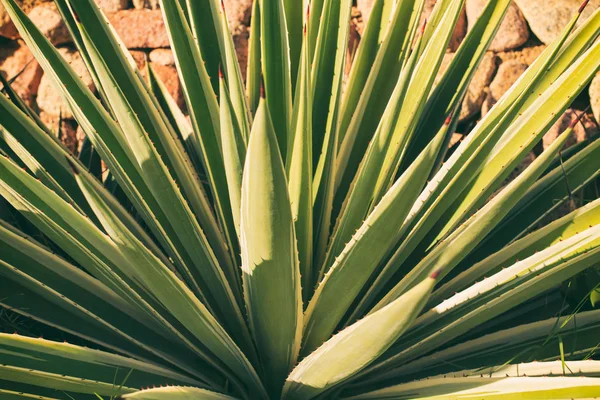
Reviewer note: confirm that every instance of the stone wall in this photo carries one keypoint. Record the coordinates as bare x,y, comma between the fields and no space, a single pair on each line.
528,27
139,24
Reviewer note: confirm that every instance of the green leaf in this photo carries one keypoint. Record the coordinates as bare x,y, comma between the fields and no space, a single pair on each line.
294,18
271,273
492,297
329,59
519,344
178,212
18,101
17,395
504,126
518,381
595,297
253,69
354,348
361,115
82,362
276,74
127,95
366,53
95,121
330,56
314,17
233,76
205,26
221,252
210,28
40,152
234,153
204,114
110,141
61,382
170,291
46,158
546,195
555,232
177,118
550,257
125,265
358,202
352,268
381,159
177,393
449,92
54,217
463,164
89,308
67,16
299,174
462,240
414,103
68,318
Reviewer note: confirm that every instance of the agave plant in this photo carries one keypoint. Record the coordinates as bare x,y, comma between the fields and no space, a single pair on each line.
304,234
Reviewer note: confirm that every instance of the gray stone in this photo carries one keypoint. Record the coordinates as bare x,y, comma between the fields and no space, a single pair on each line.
513,31
547,18
17,59
507,74
238,16
112,5
167,74
238,13
460,30
151,4
49,99
7,28
162,57
595,96
525,55
47,18
582,130
140,29
365,7
477,90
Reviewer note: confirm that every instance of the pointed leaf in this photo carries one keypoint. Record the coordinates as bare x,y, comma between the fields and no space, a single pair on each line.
177,393
352,268
299,174
271,272
234,153
354,348
275,57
